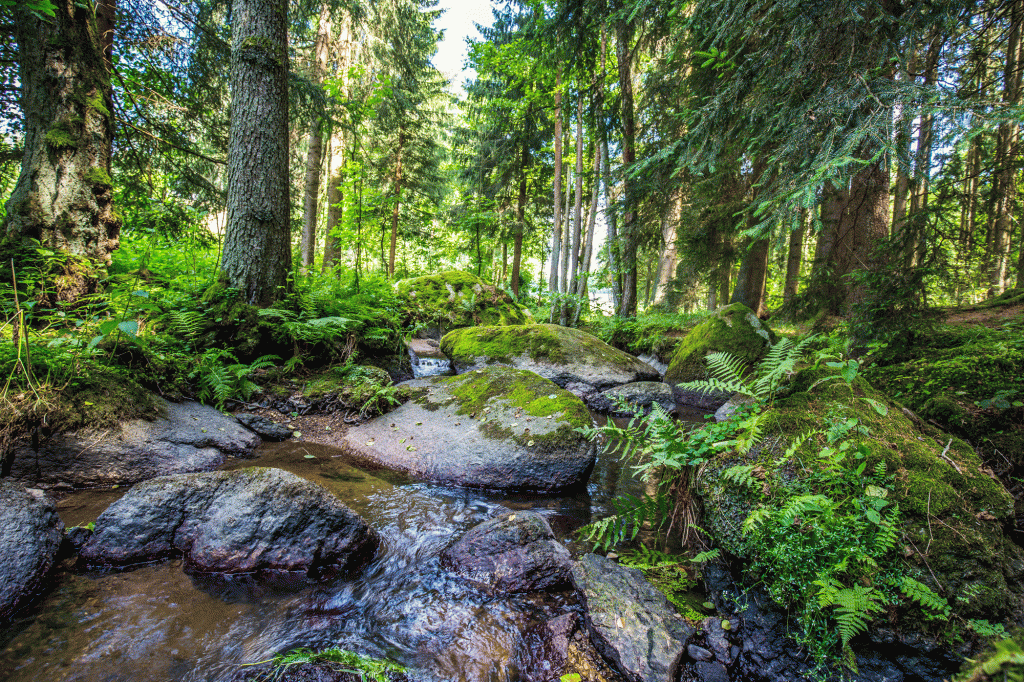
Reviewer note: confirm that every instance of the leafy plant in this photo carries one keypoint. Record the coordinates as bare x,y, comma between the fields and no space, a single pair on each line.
221,377
339,660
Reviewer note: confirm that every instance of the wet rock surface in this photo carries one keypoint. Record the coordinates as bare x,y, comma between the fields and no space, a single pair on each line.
498,427
631,623
561,647
187,438
571,358
232,522
264,428
30,535
639,398
758,646
513,552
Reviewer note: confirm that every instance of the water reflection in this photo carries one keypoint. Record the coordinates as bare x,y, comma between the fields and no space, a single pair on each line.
158,623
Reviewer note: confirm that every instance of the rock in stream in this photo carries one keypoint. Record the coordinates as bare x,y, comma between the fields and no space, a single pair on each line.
30,535
232,522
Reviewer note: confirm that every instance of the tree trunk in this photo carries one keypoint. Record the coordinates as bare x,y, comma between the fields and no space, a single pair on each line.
257,246
753,274
670,254
901,190
517,245
855,221
588,249
398,205
914,242
556,234
629,229
577,213
796,254
336,171
1005,167
63,196
315,153
611,218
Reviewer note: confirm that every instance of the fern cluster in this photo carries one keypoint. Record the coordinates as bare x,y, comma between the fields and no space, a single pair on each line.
220,377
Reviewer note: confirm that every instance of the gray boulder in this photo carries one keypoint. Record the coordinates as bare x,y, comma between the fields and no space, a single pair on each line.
30,535
187,437
571,358
639,397
557,649
513,552
232,522
632,624
263,427
497,427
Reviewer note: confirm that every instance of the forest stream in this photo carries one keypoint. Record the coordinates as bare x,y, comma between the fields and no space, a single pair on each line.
156,622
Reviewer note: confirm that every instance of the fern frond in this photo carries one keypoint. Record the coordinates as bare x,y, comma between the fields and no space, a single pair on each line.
264,362
923,595
756,518
794,446
742,476
277,314
726,367
704,557
803,505
711,385
855,606
188,323
888,532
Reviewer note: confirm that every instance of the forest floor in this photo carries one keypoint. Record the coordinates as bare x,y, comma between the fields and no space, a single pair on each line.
987,316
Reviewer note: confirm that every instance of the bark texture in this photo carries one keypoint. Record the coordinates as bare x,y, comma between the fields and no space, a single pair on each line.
315,153
795,257
1006,168
624,36
63,195
556,234
257,246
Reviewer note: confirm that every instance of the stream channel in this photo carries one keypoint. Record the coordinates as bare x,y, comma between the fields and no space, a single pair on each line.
157,622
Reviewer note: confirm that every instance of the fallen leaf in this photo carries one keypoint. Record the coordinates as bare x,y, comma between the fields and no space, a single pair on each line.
619,623
309,456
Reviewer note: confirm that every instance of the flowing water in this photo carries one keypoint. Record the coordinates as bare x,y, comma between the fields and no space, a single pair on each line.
157,622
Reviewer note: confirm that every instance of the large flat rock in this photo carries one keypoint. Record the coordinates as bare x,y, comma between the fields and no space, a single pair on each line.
187,437
496,427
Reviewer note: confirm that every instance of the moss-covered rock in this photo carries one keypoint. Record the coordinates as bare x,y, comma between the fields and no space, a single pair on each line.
569,357
734,329
969,380
496,427
351,387
453,299
953,510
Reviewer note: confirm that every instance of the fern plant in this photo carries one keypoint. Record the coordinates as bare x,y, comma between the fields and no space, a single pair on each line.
729,374
220,377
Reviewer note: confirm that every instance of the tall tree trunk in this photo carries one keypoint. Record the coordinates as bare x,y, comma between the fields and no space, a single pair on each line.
795,257
398,204
577,213
315,153
901,190
63,196
855,221
753,274
257,246
556,234
336,170
588,249
611,218
1005,167
914,242
670,254
624,36
517,245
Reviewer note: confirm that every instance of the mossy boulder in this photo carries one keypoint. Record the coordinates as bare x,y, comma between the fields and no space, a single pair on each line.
362,388
497,427
954,511
733,329
569,357
969,380
453,299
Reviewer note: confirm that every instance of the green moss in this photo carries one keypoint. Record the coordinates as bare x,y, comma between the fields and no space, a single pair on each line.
95,102
352,385
62,135
503,395
539,342
98,176
953,510
262,51
456,299
734,329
